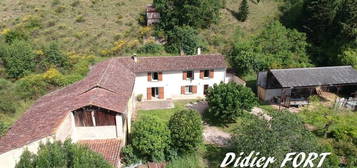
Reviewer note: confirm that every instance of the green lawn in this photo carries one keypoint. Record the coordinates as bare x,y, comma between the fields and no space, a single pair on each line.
164,114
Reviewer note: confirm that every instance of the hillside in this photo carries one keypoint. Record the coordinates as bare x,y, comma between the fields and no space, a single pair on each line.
89,26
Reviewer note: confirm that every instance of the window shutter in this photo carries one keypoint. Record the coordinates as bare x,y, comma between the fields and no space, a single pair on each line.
149,76
211,73
184,75
194,89
161,92
182,89
149,93
201,74
160,76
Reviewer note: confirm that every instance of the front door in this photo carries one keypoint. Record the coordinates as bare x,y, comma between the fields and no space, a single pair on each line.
205,88
155,92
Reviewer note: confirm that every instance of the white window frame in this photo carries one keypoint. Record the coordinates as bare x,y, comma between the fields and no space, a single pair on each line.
188,89
192,77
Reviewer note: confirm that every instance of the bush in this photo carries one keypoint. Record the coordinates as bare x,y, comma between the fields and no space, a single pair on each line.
52,56
183,38
243,11
32,86
150,138
59,154
7,105
229,101
186,131
16,34
3,128
18,58
151,48
129,156
139,97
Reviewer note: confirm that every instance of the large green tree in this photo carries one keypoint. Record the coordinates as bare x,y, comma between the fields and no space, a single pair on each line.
150,139
194,13
59,154
184,39
229,101
186,131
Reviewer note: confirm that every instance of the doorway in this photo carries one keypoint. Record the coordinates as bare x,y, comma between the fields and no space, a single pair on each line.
155,92
205,88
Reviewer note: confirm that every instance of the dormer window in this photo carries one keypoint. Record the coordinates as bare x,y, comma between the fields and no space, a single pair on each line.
155,76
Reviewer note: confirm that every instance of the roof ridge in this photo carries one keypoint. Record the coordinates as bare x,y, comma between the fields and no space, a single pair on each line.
104,72
324,67
165,56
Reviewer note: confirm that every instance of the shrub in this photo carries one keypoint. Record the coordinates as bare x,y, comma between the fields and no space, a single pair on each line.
186,131
3,128
32,86
7,105
18,58
243,11
151,48
184,39
139,97
228,101
129,156
16,34
59,154
53,57
150,138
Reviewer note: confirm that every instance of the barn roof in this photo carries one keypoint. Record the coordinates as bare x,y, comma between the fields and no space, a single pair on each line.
319,76
108,85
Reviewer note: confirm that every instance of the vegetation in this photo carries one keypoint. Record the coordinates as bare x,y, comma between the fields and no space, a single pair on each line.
186,131
243,11
59,154
150,139
183,39
229,101
336,128
284,133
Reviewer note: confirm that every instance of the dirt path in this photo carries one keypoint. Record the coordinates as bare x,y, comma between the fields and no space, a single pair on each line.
213,135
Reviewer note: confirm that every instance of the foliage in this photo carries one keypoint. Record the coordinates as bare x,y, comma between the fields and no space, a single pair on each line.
151,48
7,106
243,11
186,131
275,47
349,57
14,34
150,138
18,58
3,128
194,13
129,156
184,39
59,154
139,97
229,101
186,161
53,56
284,133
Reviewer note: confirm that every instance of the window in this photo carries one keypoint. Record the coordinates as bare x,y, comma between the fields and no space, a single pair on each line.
155,76
206,74
190,75
155,92
188,89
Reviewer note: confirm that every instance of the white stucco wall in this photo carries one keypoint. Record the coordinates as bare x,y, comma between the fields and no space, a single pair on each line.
172,82
97,132
10,158
67,129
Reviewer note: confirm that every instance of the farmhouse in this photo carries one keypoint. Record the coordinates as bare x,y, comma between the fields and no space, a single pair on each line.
97,110
294,86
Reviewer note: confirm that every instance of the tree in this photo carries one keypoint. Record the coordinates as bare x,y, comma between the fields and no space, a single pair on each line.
283,134
53,57
243,11
346,19
194,13
58,154
183,38
186,131
229,101
18,58
349,57
150,139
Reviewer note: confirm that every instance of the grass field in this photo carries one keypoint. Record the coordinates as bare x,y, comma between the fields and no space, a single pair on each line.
89,26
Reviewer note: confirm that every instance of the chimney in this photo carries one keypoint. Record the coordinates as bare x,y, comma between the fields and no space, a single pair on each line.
134,58
198,51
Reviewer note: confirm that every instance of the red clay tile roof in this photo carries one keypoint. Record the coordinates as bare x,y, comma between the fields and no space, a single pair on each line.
109,85
172,63
108,148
